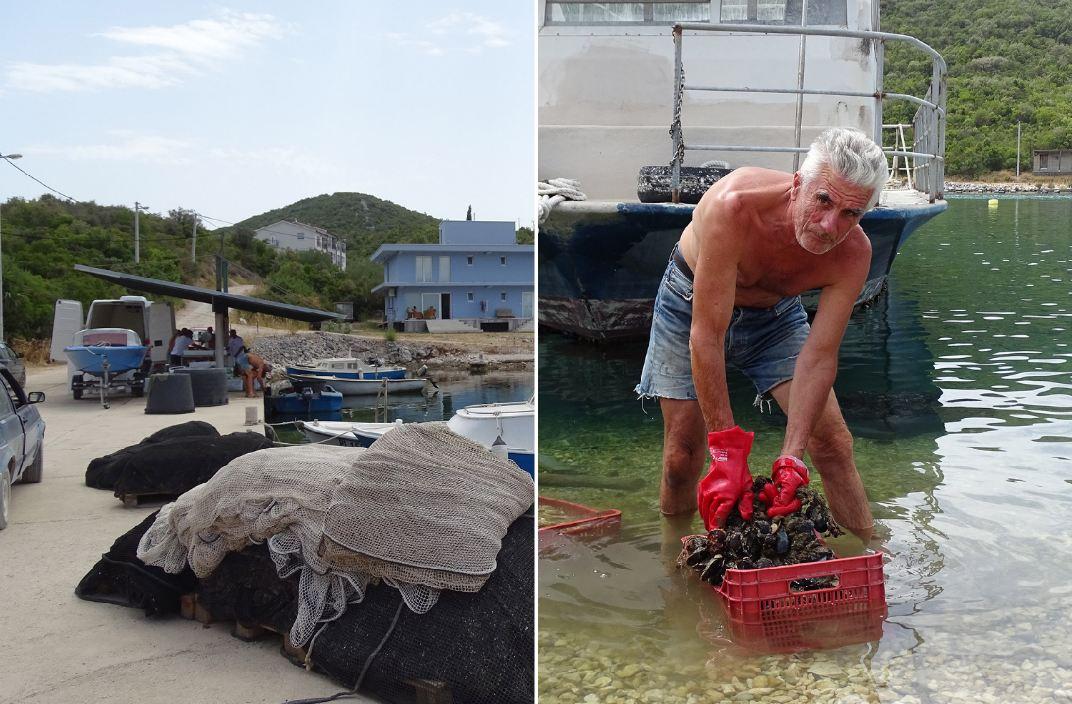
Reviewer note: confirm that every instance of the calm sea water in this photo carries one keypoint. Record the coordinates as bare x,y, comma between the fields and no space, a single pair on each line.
957,385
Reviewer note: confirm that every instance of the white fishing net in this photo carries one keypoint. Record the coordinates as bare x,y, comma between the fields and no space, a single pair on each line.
422,510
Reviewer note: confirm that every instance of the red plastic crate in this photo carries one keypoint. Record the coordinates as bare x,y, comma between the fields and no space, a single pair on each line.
767,612
584,521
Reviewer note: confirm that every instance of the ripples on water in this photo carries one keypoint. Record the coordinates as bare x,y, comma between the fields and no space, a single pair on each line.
957,385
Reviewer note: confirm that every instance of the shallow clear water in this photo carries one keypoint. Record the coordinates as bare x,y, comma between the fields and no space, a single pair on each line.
957,385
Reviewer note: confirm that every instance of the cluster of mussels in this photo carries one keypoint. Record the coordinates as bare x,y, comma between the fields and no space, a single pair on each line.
762,541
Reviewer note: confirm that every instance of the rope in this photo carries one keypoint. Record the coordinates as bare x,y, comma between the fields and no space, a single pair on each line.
555,191
279,443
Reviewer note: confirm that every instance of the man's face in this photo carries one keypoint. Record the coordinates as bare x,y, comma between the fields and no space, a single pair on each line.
825,209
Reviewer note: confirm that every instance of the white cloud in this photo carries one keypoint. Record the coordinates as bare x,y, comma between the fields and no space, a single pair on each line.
488,33
127,146
187,50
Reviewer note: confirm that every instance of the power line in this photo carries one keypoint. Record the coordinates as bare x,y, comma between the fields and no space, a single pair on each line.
39,180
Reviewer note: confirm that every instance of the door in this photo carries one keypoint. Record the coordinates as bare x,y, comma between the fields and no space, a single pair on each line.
431,300
161,326
526,304
12,445
445,299
66,321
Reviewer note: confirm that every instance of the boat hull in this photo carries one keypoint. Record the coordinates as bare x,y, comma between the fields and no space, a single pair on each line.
600,264
388,373
91,359
363,387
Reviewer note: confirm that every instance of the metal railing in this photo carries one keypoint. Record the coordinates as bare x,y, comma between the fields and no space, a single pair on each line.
928,147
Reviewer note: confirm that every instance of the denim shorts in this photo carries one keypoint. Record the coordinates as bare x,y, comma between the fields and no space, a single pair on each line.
761,342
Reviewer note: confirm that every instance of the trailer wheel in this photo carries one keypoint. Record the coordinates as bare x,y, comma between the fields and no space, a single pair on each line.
76,386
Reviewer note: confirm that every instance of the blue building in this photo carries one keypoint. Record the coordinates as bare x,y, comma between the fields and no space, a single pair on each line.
477,274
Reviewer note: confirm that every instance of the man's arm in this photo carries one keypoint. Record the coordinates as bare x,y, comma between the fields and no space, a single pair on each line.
714,289
818,362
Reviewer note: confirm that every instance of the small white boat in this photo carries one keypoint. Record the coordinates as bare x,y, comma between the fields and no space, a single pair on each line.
346,368
483,423
362,387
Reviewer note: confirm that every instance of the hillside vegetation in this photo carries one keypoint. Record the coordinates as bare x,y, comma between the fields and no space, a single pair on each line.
44,238
1008,60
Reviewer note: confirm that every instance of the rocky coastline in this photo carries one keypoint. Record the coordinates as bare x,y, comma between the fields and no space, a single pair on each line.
1007,187
304,348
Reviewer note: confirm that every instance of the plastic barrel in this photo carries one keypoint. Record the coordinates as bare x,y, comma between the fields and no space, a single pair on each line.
209,385
169,393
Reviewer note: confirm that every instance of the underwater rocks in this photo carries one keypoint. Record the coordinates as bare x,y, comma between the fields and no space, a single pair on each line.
763,541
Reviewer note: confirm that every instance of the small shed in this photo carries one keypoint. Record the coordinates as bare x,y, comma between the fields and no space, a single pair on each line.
1053,162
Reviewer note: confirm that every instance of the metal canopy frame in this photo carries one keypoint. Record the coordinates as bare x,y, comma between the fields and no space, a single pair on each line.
221,301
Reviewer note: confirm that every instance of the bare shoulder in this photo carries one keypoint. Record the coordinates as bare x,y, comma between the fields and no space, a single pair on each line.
852,258
735,198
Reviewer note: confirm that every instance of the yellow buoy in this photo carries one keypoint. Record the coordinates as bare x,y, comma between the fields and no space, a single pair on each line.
993,202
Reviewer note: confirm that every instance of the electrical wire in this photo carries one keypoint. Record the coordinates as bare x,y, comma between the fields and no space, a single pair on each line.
39,180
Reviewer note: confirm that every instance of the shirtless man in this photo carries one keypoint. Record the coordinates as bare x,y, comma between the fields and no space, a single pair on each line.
758,239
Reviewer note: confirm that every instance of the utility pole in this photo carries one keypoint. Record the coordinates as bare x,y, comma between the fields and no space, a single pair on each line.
1017,149
8,157
193,246
138,207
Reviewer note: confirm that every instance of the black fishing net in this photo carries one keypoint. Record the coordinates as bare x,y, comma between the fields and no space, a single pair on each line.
478,646
119,577
103,471
173,467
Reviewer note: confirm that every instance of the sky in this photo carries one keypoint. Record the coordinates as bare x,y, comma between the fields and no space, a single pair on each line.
238,108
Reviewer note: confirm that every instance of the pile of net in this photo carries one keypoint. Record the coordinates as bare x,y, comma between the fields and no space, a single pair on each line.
479,644
119,577
421,511
763,541
171,461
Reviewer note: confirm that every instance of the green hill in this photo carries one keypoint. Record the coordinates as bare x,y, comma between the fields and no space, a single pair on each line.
1008,60
44,238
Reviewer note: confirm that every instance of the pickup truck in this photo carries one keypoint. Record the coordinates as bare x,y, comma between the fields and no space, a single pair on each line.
22,439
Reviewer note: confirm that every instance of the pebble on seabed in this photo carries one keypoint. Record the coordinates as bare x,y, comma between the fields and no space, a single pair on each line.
984,658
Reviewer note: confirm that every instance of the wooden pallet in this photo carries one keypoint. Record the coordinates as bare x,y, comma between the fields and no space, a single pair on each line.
190,607
134,500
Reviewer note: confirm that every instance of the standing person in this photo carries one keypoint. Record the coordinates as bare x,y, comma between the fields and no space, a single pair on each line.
259,366
758,238
234,343
182,343
244,369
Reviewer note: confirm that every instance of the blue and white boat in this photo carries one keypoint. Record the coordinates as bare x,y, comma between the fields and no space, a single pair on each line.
739,83
313,400
346,368
484,423
111,358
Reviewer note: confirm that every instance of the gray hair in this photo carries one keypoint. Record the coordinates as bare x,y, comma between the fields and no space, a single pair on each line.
852,156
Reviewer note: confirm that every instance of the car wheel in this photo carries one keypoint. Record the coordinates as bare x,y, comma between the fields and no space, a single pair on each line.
32,475
5,497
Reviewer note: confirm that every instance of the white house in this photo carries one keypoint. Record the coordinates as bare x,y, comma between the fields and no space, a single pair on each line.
300,237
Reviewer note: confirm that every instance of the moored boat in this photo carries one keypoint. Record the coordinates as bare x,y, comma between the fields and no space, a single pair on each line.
347,368
481,423
362,387
762,81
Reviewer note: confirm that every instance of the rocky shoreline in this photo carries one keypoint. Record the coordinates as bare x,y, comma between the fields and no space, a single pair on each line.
1007,187
303,348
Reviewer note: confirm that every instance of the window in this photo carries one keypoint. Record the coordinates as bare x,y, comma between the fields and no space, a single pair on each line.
786,12
470,297
579,12
444,268
468,261
502,296
301,235
424,269
502,261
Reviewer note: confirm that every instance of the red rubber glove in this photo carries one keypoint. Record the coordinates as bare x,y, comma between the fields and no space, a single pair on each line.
728,482
788,474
